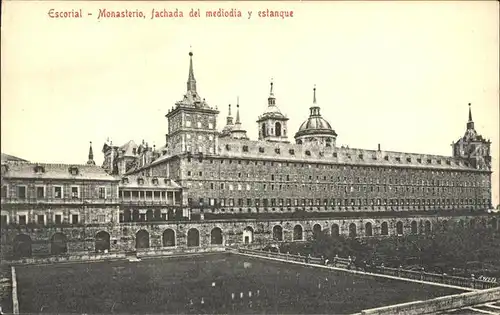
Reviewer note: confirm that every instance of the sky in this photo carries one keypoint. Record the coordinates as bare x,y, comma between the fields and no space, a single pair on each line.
396,73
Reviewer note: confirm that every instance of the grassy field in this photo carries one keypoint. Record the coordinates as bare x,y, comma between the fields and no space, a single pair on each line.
217,283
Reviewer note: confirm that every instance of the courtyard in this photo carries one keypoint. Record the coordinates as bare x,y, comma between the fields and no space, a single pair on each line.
214,283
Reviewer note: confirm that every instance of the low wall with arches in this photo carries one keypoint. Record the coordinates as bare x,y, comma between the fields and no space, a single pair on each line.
167,235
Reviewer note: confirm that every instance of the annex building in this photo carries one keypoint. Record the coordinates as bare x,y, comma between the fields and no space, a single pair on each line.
211,186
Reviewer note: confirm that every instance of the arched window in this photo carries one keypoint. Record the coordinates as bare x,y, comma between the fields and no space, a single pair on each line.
316,231
102,241
399,228
216,236
264,133
277,233
168,238
352,230
193,238
142,239
368,229
414,227
384,229
297,233
335,230
277,129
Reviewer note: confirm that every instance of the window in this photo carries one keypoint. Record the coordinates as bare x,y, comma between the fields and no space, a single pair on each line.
4,191
210,126
245,148
22,220
74,218
40,192
3,220
261,149
73,170
188,123
198,124
277,150
308,153
75,192
40,219
58,219
291,151
102,192
21,192
58,192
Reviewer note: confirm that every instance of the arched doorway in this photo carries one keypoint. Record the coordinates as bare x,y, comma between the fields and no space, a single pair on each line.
58,244
168,238
384,229
278,233
216,236
352,230
399,228
368,229
316,231
142,239
193,238
22,246
414,227
102,241
428,227
297,233
335,230
277,129
248,235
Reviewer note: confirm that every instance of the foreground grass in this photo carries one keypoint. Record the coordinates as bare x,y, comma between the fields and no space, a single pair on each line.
205,284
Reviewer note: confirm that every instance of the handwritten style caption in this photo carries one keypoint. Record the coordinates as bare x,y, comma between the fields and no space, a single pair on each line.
165,13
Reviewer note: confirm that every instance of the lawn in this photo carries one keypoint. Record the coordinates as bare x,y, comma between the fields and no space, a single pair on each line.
216,283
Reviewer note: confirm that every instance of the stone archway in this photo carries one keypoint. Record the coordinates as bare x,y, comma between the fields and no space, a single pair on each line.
278,233
316,231
102,241
248,235
58,244
216,236
168,238
22,246
142,239
298,233
193,238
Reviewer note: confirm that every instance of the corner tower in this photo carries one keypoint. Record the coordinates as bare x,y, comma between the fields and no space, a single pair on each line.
473,147
273,124
192,123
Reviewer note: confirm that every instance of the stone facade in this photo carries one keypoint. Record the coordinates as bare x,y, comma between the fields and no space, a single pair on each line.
211,188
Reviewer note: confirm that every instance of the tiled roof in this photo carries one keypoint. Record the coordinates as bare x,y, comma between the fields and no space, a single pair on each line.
7,157
55,171
151,182
128,148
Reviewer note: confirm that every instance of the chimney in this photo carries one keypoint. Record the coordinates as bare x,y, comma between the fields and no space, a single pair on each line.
379,146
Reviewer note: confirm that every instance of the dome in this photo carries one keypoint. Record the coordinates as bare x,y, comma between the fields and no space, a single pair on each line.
315,125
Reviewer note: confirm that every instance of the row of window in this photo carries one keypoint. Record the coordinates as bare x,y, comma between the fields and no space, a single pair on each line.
57,192
245,148
343,188
42,219
288,202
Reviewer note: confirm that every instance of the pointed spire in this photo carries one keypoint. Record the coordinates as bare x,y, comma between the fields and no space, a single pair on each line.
238,110
470,123
91,155
314,108
271,100
314,97
229,117
191,83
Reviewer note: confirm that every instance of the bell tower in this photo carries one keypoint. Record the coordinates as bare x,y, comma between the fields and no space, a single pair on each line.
192,123
273,124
